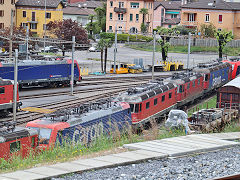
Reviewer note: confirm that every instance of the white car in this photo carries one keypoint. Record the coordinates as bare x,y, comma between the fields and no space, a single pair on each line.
93,49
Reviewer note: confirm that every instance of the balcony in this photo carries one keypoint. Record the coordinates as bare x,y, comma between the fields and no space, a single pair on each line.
189,23
120,10
32,20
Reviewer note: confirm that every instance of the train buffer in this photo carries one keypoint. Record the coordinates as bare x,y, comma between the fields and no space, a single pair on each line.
38,110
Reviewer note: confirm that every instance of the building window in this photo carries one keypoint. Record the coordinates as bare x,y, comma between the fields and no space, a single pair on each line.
12,1
220,18
110,27
33,26
1,13
163,98
1,25
120,17
1,1
155,102
151,5
137,17
24,14
110,16
33,16
191,17
134,5
207,18
147,105
48,15
131,17
173,15
111,4
121,4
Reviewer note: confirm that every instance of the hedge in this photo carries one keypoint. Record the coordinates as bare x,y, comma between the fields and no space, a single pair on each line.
124,37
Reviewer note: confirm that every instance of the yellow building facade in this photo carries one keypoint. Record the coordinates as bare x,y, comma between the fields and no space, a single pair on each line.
33,16
223,15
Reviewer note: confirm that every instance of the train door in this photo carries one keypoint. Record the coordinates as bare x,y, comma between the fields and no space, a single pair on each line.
181,91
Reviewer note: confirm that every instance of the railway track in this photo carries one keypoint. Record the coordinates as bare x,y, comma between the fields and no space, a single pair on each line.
25,116
78,91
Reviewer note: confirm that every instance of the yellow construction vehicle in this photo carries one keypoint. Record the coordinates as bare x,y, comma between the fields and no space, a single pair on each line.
126,68
168,66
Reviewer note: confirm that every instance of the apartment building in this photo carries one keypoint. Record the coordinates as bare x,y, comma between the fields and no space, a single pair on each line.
125,16
223,15
166,14
31,13
5,13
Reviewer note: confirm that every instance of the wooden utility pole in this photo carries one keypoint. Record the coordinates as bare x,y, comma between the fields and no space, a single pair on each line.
11,34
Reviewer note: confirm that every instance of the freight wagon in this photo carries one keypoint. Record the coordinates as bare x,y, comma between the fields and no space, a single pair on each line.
41,73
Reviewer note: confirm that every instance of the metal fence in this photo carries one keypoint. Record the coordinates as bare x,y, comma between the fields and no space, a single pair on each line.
202,42
194,42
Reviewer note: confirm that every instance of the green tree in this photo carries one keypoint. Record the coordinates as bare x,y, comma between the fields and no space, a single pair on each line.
208,30
101,46
223,38
91,17
143,11
107,44
144,27
165,34
101,17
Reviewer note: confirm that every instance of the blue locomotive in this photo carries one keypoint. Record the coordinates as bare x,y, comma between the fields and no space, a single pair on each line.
41,73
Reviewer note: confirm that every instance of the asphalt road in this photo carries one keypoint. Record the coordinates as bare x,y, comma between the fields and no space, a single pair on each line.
125,54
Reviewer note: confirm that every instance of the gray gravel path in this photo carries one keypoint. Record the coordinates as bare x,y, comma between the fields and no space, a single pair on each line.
203,166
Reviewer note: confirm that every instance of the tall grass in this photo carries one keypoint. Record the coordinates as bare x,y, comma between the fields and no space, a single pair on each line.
69,151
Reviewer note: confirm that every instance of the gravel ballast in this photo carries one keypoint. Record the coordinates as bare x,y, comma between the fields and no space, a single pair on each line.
202,166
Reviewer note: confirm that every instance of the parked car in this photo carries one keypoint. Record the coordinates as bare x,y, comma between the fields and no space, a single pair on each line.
52,49
93,48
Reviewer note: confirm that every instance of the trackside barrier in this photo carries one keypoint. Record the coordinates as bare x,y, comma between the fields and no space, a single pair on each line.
84,71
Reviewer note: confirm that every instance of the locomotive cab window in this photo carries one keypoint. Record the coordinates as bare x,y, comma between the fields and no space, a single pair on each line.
15,146
188,86
169,95
140,107
193,83
155,102
136,108
2,90
206,77
132,107
147,105
198,81
180,88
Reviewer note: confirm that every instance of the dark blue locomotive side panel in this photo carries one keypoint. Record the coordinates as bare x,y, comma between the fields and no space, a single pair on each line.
218,77
39,72
88,131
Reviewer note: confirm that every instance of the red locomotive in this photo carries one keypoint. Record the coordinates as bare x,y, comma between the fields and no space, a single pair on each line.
235,66
6,97
16,140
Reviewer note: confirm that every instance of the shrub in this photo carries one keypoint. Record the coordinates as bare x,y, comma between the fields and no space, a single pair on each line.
124,37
